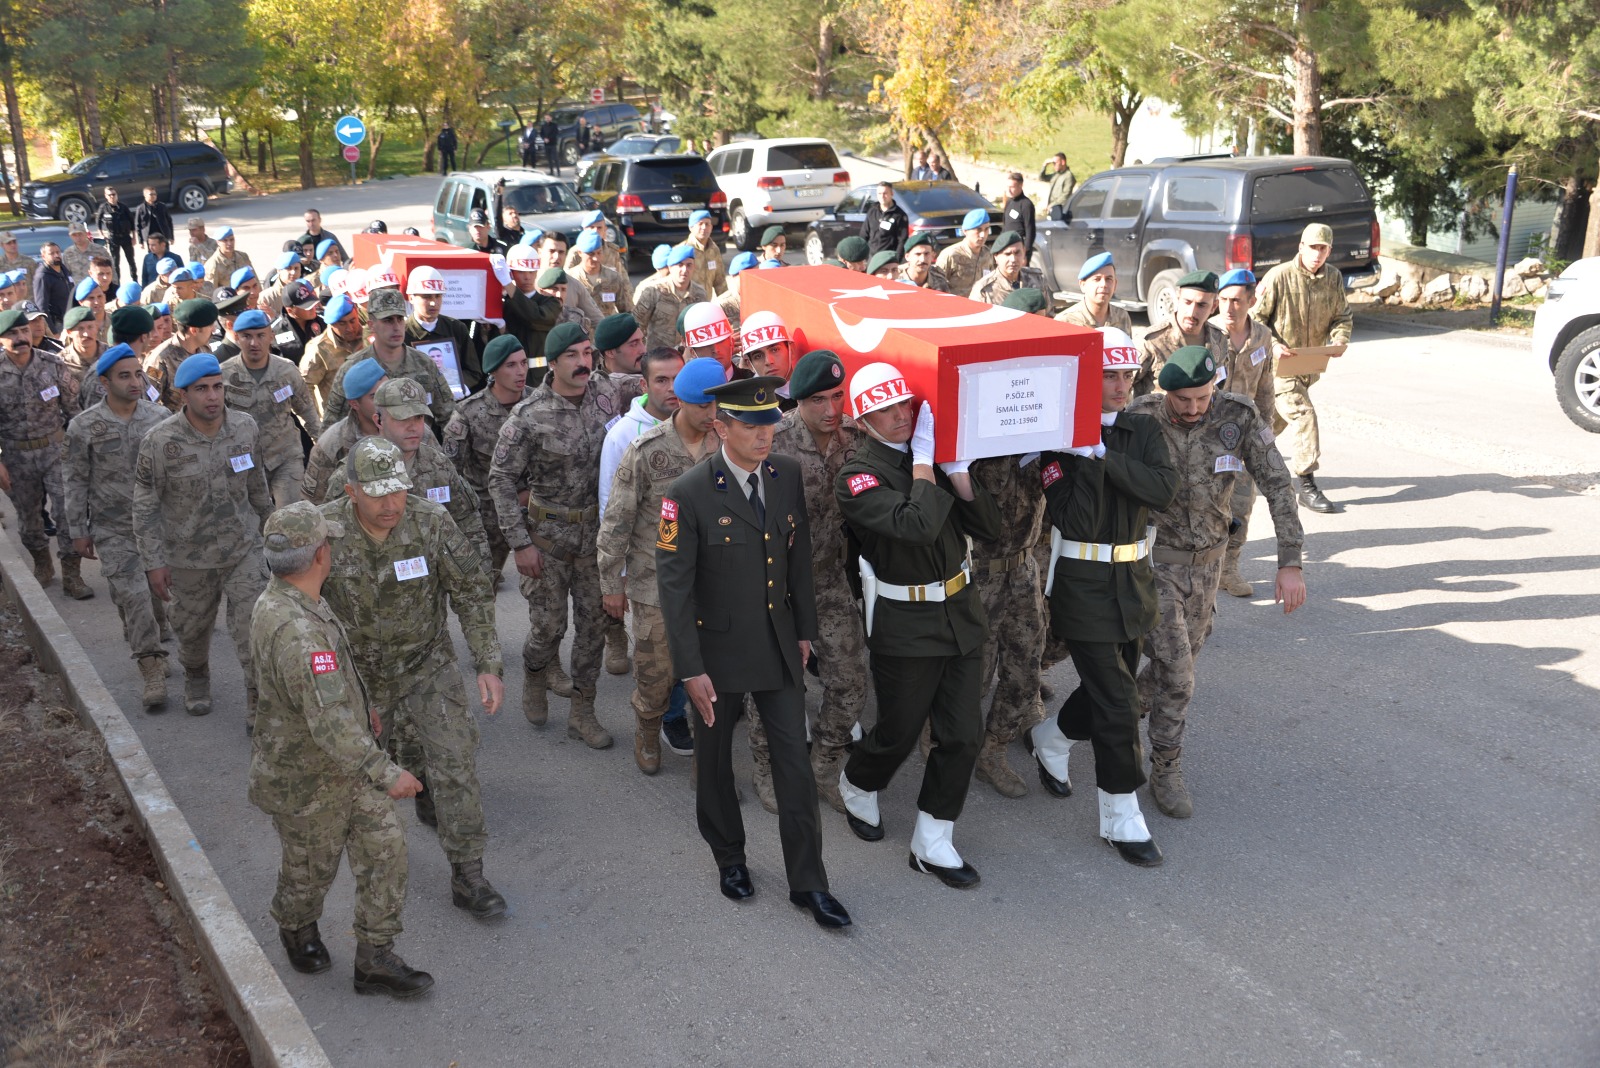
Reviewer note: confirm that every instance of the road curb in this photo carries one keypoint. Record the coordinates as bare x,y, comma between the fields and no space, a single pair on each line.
253,995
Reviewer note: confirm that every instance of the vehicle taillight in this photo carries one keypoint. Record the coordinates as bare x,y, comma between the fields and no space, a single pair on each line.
629,202
926,224
769,181
719,199
1377,242
1241,252
841,177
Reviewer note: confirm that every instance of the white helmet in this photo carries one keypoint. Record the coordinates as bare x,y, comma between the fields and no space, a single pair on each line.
424,280
382,278
355,284
761,329
1119,349
339,281
877,385
705,324
523,258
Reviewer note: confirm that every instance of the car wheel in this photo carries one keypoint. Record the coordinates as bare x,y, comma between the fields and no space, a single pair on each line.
73,210
1161,301
815,253
739,230
192,199
569,153
1578,380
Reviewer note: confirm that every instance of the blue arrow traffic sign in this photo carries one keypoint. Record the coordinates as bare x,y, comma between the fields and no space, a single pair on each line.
350,130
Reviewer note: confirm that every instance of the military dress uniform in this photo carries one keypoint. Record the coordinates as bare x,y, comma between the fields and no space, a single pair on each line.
274,399
36,400
963,267
993,287
656,309
1159,344
323,358
1302,310
455,333
412,364
1080,315
1247,373
469,441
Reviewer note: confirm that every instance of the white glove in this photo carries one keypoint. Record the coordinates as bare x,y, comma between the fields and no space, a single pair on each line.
956,467
1100,451
1085,451
922,437
502,273
1024,461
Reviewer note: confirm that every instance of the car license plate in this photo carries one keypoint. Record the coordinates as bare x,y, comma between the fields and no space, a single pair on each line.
812,192
682,213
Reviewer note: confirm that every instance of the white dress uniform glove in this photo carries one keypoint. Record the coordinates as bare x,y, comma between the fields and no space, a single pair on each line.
1085,451
1100,451
922,437
502,273
956,467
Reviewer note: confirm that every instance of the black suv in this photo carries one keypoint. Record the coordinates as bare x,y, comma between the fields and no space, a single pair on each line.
650,198
184,173
1166,218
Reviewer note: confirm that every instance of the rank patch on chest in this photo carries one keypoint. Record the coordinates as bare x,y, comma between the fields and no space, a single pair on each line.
859,484
1051,474
324,663
1229,434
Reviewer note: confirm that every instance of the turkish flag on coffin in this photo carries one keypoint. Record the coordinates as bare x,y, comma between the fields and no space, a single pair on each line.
471,289
1000,381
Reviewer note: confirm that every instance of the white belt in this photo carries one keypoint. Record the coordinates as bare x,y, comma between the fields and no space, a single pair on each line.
1099,552
872,588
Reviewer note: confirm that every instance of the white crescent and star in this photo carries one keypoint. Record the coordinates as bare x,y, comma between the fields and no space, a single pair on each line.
866,335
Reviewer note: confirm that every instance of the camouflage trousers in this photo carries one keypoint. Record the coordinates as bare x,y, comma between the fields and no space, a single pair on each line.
346,817
547,617
197,593
431,732
652,663
123,571
498,549
1055,650
841,651
287,480
1014,603
1294,420
35,475
1188,595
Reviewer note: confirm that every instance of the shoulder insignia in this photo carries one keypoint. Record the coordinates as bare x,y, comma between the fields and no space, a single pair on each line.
325,662
1230,434
1266,435
859,484
667,535
1051,473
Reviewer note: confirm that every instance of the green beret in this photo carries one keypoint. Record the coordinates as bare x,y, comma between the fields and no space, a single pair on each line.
1205,281
10,320
75,316
1190,366
914,240
196,312
131,322
770,234
550,277
1025,299
562,338
1005,239
613,331
817,371
498,351
853,249
880,260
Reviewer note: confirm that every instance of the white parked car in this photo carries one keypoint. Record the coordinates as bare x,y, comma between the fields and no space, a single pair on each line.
790,181
1566,339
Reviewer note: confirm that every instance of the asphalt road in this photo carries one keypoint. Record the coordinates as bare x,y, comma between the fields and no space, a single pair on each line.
1392,860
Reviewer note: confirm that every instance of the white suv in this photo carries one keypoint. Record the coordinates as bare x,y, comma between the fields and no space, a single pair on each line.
1566,339
790,181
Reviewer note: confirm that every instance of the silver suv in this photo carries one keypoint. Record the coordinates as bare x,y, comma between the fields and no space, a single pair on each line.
790,181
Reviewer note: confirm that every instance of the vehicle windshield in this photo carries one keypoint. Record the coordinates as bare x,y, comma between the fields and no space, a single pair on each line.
541,199
940,198
643,146
87,164
567,116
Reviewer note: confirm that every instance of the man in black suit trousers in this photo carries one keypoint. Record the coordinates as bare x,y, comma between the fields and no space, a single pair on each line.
733,564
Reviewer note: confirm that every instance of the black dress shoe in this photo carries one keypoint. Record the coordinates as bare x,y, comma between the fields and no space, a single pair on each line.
1310,495
1052,785
735,882
825,909
962,878
1144,854
867,832
306,952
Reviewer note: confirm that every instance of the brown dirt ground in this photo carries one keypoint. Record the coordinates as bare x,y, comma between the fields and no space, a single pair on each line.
97,966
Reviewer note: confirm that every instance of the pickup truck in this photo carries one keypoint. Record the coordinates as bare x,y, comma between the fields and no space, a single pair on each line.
184,173
1171,216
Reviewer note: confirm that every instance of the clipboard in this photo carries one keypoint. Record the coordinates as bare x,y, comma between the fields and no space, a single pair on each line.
1312,360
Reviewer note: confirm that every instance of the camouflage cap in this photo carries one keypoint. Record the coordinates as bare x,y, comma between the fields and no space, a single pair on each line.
298,525
387,303
376,466
402,398
1317,234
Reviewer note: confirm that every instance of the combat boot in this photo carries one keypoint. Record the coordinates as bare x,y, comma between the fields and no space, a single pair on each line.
825,769
582,724
197,691
647,743
1166,783
153,670
993,769
763,784
306,952
380,971
471,891
559,682
1310,495
44,566
535,701
1234,583
617,661
250,699
72,583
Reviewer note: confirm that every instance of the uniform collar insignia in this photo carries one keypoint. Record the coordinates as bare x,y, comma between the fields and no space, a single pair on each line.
721,479
772,472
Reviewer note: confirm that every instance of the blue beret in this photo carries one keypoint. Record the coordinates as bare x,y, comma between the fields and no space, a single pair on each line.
323,246
530,237
972,220
85,287
658,256
326,272
129,293
254,319
196,269
8,279
115,354
742,262
696,216
767,265
1093,264
226,231
1239,276
359,380
241,276
167,264
196,367
679,254
158,310
340,306
287,260
593,218
590,241
697,376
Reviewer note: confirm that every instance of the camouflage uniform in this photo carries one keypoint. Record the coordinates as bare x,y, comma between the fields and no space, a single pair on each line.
993,288
469,440
102,450
26,264
1191,535
202,250
1079,315
77,262
35,403
315,769
324,356
553,445
1013,598
936,280
401,645
434,478
193,512
609,289
708,274
729,303
656,308
1166,339
220,266
324,465
160,364
1248,373
412,364
963,267
273,400
610,256
1302,310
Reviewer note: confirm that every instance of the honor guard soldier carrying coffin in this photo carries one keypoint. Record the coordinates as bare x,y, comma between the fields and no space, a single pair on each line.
315,769
925,626
1102,593
733,563
1212,437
